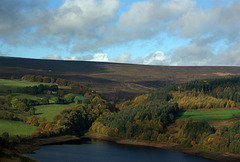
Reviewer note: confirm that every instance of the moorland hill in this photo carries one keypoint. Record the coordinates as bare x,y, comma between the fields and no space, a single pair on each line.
112,79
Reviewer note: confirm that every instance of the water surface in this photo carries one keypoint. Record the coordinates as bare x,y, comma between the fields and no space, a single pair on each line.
99,151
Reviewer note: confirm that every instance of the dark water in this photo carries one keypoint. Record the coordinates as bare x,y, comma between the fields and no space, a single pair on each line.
99,151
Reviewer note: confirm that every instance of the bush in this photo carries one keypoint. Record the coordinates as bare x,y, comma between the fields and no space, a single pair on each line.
5,136
31,111
15,139
8,115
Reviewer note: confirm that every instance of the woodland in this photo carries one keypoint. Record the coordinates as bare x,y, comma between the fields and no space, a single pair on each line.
162,116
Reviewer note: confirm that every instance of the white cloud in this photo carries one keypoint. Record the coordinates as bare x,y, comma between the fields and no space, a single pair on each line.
72,58
53,57
123,58
58,57
219,20
79,16
146,19
153,12
78,21
101,57
157,58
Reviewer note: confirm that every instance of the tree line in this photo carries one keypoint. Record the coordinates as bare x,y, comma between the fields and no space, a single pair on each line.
40,89
75,86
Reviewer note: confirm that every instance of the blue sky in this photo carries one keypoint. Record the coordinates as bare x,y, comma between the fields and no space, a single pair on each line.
152,32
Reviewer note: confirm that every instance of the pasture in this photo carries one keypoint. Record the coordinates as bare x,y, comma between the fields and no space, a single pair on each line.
49,111
16,128
12,85
33,97
209,114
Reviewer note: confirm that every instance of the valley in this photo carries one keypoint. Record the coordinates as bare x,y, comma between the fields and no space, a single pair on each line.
199,112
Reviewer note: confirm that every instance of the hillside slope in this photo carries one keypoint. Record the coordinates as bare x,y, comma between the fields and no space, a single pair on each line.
112,79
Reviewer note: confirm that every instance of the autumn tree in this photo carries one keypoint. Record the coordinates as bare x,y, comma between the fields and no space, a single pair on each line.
34,121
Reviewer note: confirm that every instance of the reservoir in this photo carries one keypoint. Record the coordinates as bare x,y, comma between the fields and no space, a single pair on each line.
101,151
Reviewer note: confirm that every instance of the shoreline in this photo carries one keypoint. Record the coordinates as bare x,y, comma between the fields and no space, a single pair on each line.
29,147
215,156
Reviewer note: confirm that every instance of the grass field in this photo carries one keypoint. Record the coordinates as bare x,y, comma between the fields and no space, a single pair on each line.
13,84
209,114
24,96
33,97
49,111
16,128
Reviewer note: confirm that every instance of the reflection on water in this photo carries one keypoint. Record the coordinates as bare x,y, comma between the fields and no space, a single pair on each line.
99,151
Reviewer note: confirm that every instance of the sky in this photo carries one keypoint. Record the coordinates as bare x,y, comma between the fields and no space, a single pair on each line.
150,32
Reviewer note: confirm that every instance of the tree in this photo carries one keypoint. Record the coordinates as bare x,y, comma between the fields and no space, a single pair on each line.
40,88
53,88
21,106
60,93
193,129
86,101
52,80
46,80
39,78
31,111
49,126
14,102
69,98
208,106
32,78
8,99
44,101
77,100
34,121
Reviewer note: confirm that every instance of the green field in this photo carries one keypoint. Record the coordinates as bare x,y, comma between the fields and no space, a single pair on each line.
24,96
209,114
49,111
16,128
33,97
14,84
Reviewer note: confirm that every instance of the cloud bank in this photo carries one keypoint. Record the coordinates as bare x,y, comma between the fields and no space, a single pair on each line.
91,26
157,58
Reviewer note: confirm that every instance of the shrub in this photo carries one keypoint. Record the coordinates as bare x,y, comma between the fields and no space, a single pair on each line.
15,139
31,111
5,136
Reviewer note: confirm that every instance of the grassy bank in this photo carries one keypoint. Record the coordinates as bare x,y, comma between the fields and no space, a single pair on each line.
14,84
49,111
16,128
